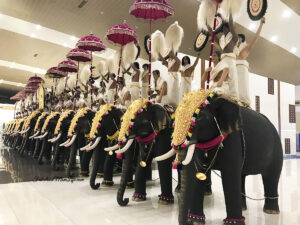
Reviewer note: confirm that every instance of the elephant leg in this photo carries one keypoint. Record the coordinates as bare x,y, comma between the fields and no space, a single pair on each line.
208,190
72,157
108,169
55,155
196,214
43,149
37,148
24,147
244,203
140,182
85,163
165,175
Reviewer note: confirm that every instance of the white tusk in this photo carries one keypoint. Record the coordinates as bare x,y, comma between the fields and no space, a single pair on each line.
127,146
63,144
85,147
23,132
55,138
71,142
113,148
41,136
189,155
169,154
98,139
34,134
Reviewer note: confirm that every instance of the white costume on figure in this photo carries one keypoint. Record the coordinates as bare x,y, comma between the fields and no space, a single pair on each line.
157,88
121,94
109,92
214,73
173,84
144,90
186,82
242,67
134,90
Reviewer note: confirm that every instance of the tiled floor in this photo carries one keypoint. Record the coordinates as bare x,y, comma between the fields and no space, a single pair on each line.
64,203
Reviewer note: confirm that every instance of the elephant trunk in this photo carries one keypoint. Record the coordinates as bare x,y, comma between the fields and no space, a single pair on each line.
126,171
72,158
183,203
96,164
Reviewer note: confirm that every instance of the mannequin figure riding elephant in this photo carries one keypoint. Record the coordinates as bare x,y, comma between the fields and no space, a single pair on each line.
224,136
105,129
150,125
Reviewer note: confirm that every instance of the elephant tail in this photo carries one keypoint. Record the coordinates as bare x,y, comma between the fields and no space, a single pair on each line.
126,172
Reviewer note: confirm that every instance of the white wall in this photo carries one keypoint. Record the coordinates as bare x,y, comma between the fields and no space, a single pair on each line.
5,116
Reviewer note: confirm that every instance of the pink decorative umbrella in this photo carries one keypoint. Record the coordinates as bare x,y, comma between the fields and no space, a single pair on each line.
54,72
121,34
68,67
151,10
79,55
93,44
35,79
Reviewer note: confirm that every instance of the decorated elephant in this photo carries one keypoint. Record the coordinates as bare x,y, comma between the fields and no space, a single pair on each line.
79,128
47,132
213,132
104,131
148,126
60,153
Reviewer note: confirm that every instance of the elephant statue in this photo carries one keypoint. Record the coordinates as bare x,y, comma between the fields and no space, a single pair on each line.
213,132
47,132
80,127
149,127
104,129
61,154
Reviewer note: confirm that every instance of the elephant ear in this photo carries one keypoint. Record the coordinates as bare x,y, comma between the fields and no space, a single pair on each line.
158,117
227,114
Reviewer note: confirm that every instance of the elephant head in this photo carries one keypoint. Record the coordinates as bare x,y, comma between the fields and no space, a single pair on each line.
202,120
143,121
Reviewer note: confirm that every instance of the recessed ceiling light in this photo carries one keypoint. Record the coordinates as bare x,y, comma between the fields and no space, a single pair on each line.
286,13
19,84
65,45
12,65
252,26
101,12
73,38
274,38
293,49
32,35
38,27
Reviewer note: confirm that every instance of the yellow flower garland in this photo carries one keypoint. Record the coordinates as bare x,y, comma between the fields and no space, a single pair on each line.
61,118
75,119
184,113
129,114
51,116
18,124
104,109
44,114
27,122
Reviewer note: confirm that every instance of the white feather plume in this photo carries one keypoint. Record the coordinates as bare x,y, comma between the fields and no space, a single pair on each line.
158,44
233,6
101,68
71,83
85,74
129,54
206,14
174,36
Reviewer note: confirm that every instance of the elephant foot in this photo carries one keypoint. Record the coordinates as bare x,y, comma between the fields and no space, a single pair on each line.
130,184
100,175
84,173
164,200
138,197
196,220
272,212
178,189
235,221
107,183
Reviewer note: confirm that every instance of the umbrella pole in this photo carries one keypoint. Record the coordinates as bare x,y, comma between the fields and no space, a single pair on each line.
91,79
76,86
52,92
65,91
149,75
212,44
116,94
